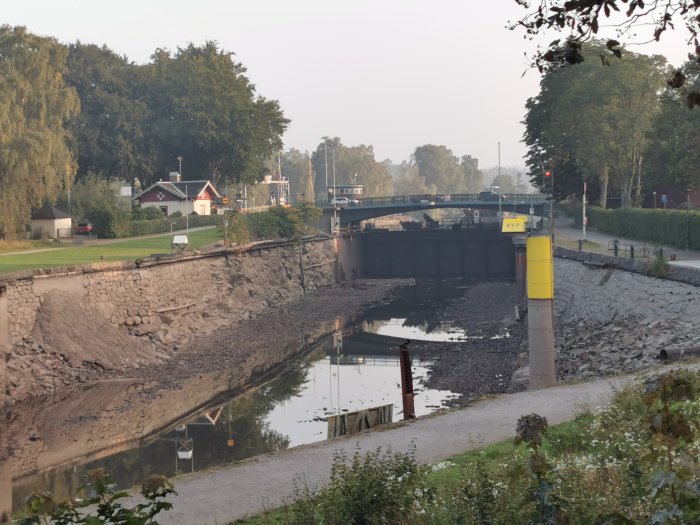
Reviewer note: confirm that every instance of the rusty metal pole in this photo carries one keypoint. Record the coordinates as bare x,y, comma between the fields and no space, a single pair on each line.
409,411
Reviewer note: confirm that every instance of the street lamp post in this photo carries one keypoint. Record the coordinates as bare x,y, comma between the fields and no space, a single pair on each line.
325,158
654,199
335,205
499,182
687,218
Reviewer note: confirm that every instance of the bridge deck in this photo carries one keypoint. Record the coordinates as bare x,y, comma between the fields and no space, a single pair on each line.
372,207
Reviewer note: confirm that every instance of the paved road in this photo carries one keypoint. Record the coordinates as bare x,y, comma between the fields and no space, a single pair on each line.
235,491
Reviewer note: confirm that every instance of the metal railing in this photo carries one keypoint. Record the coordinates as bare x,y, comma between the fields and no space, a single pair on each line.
466,198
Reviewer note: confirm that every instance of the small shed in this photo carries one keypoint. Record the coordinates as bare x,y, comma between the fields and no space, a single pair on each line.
51,222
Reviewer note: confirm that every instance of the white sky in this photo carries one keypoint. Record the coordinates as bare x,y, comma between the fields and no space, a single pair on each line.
395,74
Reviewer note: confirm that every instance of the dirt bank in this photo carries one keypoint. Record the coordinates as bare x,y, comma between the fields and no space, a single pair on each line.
149,386
73,344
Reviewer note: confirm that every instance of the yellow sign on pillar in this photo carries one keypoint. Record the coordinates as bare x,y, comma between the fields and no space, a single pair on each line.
514,225
540,270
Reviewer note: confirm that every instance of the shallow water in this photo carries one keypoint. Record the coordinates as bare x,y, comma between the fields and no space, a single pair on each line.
355,368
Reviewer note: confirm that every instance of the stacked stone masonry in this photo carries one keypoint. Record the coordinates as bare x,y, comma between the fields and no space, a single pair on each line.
148,297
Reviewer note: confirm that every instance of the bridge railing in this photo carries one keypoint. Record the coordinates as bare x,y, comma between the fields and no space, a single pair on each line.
466,198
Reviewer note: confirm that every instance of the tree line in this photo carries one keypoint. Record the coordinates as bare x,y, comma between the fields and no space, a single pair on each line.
615,125
75,118
68,112
432,169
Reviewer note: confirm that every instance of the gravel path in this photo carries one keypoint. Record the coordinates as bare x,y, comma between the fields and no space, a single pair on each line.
265,482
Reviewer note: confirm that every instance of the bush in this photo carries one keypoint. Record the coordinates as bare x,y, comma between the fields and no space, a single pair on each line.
378,487
659,267
145,214
237,231
109,221
276,223
42,508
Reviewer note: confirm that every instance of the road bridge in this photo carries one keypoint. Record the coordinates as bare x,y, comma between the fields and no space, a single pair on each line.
372,207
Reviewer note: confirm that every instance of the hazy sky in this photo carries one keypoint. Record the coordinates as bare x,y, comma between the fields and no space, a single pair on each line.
395,74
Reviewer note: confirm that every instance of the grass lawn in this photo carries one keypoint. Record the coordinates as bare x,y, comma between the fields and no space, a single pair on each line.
127,250
15,246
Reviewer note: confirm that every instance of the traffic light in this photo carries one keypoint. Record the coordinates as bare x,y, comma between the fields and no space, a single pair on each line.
548,182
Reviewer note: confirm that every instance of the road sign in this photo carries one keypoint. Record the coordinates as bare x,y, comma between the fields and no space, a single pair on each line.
514,225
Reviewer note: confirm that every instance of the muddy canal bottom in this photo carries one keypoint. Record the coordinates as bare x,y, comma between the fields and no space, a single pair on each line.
355,368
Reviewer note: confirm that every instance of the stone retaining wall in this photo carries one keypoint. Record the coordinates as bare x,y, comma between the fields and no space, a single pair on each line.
599,294
148,295
611,317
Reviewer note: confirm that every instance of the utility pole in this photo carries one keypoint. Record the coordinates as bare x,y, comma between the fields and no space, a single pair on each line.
584,210
499,183
335,205
325,158
687,219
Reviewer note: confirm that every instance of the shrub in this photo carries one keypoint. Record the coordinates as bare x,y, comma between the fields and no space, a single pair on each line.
42,508
109,221
139,213
377,487
237,230
659,266
279,222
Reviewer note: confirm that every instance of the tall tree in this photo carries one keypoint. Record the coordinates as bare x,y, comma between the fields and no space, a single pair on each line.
297,168
110,132
35,105
440,168
473,177
207,112
589,123
352,165
673,149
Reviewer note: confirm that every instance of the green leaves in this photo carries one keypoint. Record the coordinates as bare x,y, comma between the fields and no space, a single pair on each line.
206,110
42,508
35,107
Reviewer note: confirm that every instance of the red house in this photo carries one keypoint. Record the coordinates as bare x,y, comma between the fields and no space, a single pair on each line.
179,196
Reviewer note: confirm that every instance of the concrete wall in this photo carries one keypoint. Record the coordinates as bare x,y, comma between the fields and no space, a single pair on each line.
228,285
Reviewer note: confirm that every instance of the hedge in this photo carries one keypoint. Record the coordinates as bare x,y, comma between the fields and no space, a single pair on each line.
657,226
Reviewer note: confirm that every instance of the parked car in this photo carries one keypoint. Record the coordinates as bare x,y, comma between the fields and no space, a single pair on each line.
83,228
344,201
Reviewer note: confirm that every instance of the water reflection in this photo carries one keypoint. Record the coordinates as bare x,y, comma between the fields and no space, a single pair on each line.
355,367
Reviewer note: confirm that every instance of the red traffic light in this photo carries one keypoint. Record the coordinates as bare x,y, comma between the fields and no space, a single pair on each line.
547,173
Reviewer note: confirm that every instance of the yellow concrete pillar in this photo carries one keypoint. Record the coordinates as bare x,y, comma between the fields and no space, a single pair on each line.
540,314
